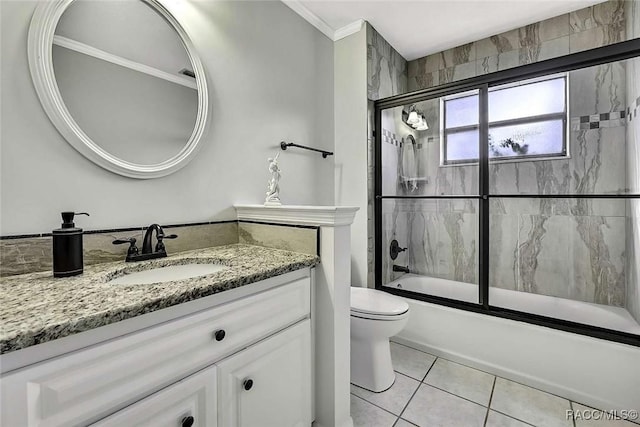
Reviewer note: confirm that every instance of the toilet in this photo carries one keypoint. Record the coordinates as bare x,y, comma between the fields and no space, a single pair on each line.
375,317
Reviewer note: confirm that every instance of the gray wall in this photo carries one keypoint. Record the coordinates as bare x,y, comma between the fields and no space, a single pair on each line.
351,147
270,78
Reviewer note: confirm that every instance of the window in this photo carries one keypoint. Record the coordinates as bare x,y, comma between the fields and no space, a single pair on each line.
527,120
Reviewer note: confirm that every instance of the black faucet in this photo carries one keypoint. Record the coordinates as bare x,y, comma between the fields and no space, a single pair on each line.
160,236
401,268
395,249
147,253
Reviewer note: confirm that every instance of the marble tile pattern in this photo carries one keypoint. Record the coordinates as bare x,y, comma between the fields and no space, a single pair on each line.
567,248
587,28
295,239
20,256
33,254
37,308
386,76
386,68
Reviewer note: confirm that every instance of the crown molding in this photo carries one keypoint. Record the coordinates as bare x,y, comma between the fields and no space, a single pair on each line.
327,216
347,30
310,17
320,24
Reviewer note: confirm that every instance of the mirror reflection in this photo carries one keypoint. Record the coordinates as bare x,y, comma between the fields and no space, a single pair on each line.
125,76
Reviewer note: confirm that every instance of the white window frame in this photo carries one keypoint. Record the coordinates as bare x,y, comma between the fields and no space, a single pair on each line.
522,158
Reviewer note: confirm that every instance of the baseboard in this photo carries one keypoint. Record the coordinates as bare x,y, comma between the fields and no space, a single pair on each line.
519,377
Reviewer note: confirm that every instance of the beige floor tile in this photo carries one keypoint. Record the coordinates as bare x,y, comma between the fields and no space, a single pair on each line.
393,400
530,405
410,362
461,380
364,414
496,419
431,407
403,423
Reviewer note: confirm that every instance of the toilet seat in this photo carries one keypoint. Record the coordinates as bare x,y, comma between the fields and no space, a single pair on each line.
377,305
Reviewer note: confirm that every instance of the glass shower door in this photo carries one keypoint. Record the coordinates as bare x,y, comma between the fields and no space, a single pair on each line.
428,201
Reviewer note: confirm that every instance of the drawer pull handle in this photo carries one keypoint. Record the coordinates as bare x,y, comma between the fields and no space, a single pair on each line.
188,421
219,335
247,384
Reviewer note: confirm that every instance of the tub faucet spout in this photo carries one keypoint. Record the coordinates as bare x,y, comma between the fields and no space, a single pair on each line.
401,268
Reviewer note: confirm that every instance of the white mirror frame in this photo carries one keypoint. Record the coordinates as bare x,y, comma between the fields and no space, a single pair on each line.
40,52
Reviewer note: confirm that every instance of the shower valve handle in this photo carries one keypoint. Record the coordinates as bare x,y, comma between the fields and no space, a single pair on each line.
395,249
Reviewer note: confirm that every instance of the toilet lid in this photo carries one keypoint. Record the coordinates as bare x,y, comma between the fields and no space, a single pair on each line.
372,301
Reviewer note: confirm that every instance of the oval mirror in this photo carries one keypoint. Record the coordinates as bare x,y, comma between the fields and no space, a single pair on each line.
121,82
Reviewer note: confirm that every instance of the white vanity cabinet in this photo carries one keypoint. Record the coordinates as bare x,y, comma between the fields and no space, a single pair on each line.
194,366
268,384
188,403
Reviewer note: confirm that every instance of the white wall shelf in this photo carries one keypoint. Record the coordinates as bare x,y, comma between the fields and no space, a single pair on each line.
86,49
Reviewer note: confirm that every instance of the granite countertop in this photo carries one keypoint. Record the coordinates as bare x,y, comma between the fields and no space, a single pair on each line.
37,308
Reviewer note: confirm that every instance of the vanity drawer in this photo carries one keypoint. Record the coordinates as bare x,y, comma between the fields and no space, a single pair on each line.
87,385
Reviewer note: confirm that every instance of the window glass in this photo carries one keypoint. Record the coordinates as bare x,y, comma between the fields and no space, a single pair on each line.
526,120
533,99
462,146
527,139
462,111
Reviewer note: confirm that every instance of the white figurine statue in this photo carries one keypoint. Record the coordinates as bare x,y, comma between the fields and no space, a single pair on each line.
273,189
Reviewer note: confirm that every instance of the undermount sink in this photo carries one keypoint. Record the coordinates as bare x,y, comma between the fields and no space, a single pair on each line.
169,273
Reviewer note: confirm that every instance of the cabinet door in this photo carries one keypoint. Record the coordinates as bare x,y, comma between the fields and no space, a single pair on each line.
269,383
187,403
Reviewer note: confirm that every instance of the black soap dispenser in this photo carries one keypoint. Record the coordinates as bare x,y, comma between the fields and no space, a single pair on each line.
67,247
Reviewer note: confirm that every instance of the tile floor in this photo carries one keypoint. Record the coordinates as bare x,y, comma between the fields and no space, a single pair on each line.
431,391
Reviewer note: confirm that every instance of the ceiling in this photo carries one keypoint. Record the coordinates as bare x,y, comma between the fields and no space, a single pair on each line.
416,28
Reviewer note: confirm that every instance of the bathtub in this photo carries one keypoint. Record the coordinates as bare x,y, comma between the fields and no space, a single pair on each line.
592,371
604,316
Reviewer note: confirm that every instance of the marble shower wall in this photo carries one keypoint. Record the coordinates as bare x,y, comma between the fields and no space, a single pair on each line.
386,76
633,168
566,248
587,28
386,68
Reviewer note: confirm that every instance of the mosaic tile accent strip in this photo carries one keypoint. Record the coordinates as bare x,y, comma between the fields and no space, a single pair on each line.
597,121
390,138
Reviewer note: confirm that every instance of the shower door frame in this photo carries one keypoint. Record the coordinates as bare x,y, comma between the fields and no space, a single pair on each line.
611,53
